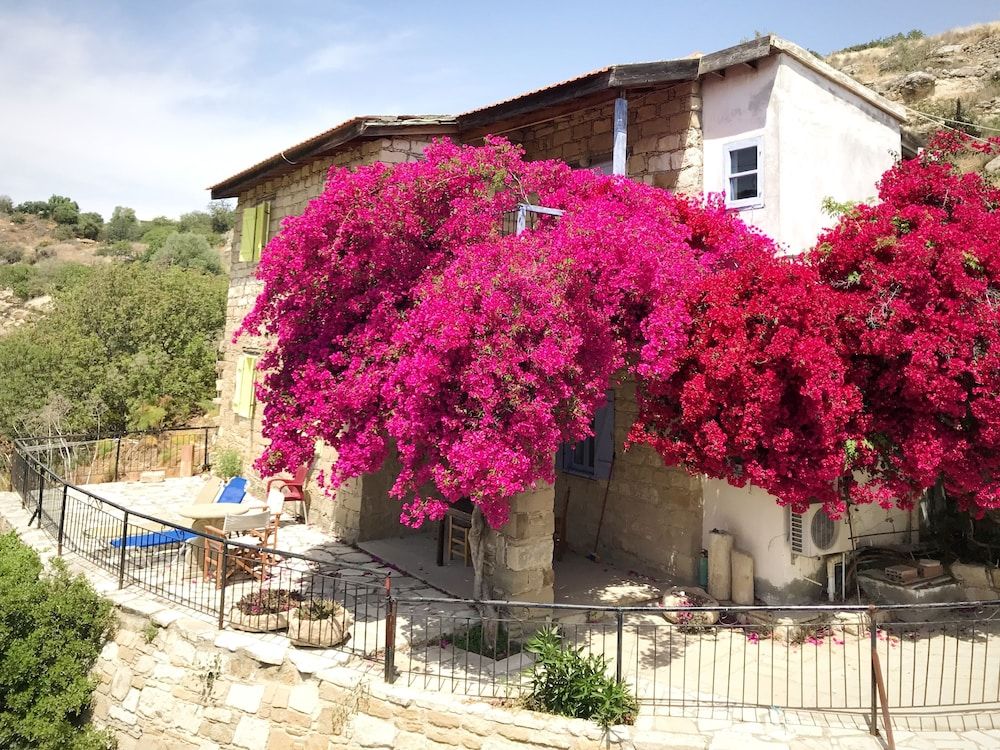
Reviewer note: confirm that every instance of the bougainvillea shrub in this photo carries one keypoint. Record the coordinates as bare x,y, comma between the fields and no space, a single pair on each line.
403,319
866,371
761,394
920,274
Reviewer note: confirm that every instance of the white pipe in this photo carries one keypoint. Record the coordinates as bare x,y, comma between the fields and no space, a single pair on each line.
831,577
621,136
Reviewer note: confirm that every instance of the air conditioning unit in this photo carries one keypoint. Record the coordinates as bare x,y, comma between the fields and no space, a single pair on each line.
814,533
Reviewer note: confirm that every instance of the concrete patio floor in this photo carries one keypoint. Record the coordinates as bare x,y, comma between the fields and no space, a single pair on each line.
578,580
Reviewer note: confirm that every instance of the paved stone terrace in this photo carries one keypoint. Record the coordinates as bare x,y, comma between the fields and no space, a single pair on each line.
712,729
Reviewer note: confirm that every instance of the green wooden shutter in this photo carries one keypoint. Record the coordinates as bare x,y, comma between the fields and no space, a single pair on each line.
238,383
263,218
248,234
247,387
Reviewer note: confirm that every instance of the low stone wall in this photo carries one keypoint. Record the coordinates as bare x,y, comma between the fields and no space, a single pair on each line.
183,684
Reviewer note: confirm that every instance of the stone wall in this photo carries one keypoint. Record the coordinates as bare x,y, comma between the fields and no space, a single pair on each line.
187,686
652,523
664,137
289,196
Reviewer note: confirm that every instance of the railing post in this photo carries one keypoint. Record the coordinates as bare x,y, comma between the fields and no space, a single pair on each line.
390,633
121,552
62,520
118,453
41,494
204,458
620,620
221,572
873,635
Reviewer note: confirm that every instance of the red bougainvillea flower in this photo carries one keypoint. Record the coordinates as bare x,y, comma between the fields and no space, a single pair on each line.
920,271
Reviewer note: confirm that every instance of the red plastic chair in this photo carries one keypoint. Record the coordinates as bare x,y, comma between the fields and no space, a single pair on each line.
293,489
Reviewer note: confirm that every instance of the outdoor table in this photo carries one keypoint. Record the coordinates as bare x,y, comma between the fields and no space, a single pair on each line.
204,515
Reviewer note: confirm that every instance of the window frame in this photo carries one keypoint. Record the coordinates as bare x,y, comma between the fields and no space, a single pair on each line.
601,445
756,201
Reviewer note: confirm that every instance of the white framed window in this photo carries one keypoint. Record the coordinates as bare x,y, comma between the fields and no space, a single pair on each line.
591,457
744,174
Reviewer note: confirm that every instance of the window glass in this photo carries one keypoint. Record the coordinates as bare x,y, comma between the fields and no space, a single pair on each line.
742,187
743,160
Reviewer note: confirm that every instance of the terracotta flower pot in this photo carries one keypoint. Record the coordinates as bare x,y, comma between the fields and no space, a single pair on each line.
689,596
261,623
324,633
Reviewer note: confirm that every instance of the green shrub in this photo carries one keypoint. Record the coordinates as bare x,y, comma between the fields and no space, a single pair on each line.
89,226
10,254
188,250
568,683
62,210
64,232
39,208
18,218
6,205
228,464
52,628
498,646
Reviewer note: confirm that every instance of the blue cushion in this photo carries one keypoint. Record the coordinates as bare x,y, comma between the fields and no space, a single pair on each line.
234,491
155,538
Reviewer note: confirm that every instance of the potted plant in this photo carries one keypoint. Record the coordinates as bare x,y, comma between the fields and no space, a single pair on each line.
264,610
319,622
677,599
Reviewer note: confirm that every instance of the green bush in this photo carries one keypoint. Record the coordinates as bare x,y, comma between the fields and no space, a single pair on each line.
10,254
155,238
39,208
52,628
64,232
227,464
62,210
497,646
123,225
129,338
568,683
18,217
6,205
89,225
188,250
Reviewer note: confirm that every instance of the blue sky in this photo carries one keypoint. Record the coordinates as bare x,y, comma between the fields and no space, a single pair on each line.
146,103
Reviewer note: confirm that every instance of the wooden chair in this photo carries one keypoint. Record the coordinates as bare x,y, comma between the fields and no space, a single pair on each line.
458,540
259,530
293,489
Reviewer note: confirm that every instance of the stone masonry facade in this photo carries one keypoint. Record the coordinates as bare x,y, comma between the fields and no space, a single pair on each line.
652,523
653,518
664,137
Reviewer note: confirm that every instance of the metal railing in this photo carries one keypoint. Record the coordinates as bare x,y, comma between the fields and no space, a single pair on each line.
827,658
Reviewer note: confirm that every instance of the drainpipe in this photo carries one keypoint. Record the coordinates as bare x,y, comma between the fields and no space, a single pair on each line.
621,137
831,576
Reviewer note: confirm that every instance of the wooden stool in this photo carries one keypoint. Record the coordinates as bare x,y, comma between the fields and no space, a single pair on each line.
458,541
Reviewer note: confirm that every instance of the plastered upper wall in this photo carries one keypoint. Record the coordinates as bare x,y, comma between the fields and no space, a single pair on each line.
818,140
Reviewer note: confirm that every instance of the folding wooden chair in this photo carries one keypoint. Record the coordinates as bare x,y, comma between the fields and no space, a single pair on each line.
258,530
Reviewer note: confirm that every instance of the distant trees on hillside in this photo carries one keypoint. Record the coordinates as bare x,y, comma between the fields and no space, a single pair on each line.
124,342
123,226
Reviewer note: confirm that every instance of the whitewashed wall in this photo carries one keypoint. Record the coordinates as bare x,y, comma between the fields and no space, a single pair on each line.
819,139
760,527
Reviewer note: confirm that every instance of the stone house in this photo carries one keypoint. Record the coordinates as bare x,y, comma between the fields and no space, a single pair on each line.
766,123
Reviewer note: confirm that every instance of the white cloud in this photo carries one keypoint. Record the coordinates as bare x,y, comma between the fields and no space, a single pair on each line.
354,54
109,121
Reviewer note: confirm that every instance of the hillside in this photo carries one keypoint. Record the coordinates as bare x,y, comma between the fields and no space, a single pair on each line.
954,75
44,252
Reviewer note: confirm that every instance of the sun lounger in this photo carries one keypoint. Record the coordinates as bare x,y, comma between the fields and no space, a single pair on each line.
234,491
